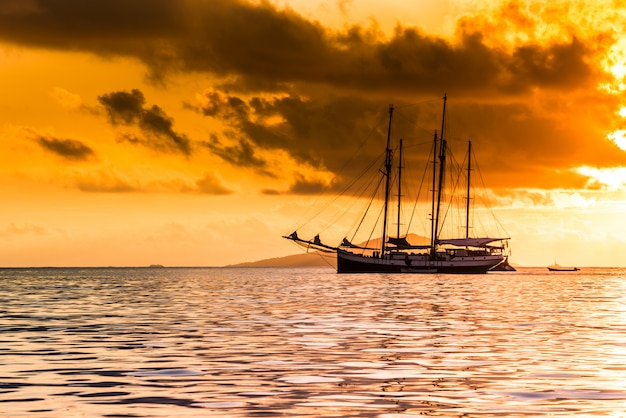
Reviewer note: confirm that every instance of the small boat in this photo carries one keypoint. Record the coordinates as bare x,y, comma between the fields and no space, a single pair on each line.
461,253
558,267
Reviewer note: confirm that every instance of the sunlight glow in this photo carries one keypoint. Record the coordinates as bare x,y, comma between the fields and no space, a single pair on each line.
619,137
618,70
609,178
615,61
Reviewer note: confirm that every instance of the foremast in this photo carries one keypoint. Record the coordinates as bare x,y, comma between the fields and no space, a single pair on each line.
469,189
387,174
439,188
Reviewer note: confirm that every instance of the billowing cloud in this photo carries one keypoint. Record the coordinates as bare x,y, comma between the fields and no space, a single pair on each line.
523,79
518,146
321,133
262,44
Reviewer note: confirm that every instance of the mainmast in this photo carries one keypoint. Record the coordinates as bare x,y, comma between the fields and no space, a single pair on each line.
387,174
469,170
442,160
434,190
399,186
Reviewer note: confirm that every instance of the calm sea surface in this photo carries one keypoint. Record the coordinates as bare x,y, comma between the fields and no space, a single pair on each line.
195,342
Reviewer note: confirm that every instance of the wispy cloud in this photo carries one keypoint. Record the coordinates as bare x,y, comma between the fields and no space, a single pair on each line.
114,180
67,149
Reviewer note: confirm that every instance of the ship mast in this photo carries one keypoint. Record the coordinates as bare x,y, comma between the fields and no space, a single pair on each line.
434,190
399,185
469,170
387,175
442,166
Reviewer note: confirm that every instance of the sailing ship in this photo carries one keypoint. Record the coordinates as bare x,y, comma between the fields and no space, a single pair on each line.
463,255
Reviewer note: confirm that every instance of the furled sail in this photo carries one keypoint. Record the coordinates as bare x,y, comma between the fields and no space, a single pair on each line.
402,243
469,242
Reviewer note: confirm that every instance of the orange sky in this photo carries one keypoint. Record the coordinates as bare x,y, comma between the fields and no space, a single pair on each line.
195,133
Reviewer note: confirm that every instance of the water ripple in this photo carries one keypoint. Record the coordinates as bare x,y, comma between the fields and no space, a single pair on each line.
308,342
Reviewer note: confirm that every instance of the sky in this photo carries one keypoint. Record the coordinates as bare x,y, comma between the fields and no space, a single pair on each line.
197,133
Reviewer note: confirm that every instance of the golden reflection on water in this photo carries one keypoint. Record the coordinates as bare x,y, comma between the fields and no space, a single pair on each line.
308,342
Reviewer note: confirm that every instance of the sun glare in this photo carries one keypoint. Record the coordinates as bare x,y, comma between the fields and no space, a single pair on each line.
619,138
609,178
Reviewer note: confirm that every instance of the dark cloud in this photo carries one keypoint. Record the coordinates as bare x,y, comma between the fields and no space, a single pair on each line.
509,87
242,154
68,149
128,109
517,145
123,107
264,46
322,133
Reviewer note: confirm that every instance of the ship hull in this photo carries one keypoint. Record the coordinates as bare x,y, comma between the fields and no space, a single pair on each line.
348,262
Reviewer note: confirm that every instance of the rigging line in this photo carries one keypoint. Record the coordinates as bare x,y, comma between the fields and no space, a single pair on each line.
457,173
316,252
374,227
380,213
420,144
419,192
429,101
339,195
488,204
371,201
466,178
364,188
426,132
410,185
361,144
298,224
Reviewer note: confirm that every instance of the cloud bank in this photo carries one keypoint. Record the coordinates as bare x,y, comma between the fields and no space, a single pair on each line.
532,84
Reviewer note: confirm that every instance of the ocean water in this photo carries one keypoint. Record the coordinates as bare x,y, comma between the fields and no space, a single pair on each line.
255,342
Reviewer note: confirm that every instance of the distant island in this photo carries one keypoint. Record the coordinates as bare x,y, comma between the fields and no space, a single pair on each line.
313,259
